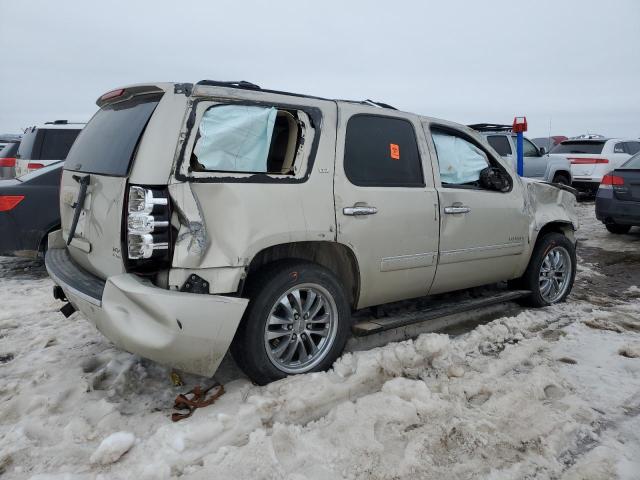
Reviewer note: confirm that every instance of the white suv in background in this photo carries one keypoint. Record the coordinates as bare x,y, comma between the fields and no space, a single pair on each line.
593,156
45,144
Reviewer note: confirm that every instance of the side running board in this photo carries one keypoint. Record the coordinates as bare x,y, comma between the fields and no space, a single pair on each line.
439,309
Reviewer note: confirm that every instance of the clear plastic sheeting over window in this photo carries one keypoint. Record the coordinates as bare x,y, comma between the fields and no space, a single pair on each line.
460,161
235,138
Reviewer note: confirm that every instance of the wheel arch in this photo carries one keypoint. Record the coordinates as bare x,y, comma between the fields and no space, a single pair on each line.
336,257
563,227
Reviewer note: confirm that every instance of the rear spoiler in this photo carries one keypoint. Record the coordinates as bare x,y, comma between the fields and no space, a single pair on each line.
122,94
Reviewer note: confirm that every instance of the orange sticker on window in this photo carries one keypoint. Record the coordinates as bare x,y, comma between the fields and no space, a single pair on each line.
395,151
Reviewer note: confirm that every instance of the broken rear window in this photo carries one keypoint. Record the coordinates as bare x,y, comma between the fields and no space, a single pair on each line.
247,139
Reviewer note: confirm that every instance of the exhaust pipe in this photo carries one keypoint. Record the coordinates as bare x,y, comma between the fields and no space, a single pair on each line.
58,293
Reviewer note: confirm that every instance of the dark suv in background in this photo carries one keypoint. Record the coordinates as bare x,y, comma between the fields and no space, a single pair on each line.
46,144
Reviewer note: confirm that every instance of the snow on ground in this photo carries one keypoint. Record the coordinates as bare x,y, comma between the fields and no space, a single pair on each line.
551,393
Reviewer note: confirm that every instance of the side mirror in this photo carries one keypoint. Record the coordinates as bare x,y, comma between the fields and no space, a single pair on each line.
492,178
543,151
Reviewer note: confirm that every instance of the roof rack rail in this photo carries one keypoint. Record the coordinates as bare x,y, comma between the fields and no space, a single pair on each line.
57,122
368,101
239,84
490,127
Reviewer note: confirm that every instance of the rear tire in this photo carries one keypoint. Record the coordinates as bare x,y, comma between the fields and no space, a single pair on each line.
551,271
561,179
617,229
297,321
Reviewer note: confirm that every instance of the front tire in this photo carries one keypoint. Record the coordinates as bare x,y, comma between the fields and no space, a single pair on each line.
551,271
297,321
617,229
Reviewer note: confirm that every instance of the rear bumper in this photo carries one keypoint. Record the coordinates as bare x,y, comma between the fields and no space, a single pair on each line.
611,210
586,185
188,331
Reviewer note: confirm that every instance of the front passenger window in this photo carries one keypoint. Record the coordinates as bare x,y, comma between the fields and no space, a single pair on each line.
460,161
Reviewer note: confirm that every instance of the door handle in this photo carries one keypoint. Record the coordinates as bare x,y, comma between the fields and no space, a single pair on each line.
357,211
453,209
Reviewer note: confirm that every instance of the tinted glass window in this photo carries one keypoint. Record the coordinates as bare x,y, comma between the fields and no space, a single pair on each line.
28,145
632,163
619,148
579,146
382,152
57,143
633,147
500,144
530,150
106,145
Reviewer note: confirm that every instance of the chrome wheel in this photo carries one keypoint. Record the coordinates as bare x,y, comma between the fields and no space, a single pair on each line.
555,274
301,328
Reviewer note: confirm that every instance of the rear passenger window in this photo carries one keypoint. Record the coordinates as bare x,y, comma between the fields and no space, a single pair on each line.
382,152
500,143
57,143
619,148
248,139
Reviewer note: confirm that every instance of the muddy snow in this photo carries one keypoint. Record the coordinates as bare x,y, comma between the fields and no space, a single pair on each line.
551,393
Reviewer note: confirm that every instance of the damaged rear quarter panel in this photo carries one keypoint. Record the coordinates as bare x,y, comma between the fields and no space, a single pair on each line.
225,223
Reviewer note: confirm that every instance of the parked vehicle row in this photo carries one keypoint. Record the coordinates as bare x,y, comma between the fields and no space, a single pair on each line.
536,165
592,157
198,218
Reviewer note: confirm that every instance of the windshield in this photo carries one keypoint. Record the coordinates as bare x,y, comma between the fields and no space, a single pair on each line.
108,142
579,146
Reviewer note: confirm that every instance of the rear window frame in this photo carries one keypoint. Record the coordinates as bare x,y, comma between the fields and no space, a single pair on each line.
315,118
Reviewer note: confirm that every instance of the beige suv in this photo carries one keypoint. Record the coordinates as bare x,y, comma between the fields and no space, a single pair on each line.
215,216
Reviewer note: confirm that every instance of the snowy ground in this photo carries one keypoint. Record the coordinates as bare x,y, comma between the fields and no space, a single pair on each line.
552,393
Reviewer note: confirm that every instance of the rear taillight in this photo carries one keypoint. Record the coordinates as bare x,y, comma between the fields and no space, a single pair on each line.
587,161
31,166
148,232
613,180
7,162
9,202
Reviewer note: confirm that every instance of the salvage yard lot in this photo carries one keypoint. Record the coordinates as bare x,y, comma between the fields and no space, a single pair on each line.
551,393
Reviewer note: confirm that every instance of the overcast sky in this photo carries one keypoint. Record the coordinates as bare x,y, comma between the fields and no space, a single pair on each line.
573,63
